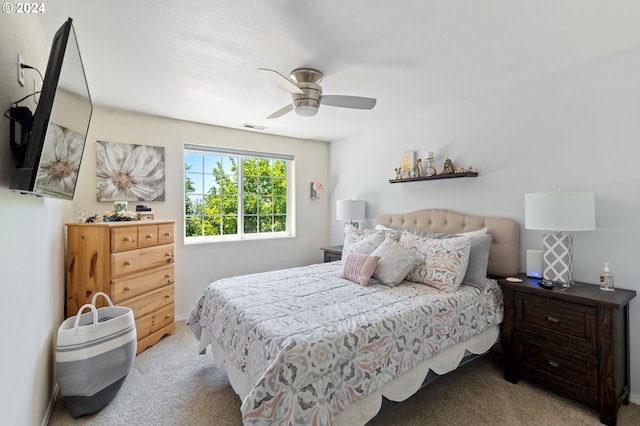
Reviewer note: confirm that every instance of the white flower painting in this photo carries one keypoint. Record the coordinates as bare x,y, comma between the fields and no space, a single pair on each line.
60,161
129,172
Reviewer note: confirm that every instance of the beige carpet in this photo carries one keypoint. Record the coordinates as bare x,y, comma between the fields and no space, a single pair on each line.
171,384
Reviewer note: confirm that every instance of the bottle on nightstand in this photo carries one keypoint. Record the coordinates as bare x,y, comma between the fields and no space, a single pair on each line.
606,278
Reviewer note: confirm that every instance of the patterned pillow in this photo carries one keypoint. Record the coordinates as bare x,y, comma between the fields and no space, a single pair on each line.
359,268
395,262
444,262
353,235
389,232
361,242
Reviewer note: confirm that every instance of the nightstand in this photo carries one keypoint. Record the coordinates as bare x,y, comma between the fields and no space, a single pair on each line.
332,253
573,340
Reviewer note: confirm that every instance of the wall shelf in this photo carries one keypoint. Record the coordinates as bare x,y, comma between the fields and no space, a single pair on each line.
445,176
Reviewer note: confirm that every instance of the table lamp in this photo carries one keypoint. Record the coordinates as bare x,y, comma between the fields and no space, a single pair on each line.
351,211
560,212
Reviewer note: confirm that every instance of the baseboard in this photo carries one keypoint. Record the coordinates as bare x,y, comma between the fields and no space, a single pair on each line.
182,317
634,398
52,401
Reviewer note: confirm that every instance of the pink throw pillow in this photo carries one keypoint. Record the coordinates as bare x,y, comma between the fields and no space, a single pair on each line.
359,268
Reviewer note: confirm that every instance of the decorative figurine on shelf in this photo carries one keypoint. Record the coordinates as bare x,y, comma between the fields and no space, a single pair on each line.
398,173
419,166
413,173
460,170
471,168
448,167
429,170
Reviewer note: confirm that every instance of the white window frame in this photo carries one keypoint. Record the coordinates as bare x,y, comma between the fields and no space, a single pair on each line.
240,235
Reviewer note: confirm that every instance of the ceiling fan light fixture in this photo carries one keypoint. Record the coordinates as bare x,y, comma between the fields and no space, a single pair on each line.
306,93
306,110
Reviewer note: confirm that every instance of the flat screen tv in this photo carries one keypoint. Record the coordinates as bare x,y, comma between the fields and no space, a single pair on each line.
60,124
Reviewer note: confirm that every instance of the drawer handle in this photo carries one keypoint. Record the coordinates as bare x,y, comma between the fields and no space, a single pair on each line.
149,236
553,363
167,234
127,288
167,316
127,239
127,263
167,296
168,254
552,319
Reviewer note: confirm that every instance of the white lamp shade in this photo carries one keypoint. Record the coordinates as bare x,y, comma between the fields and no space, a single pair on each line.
560,211
350,210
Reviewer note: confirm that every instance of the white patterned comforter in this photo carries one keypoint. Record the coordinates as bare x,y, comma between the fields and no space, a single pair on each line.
312,343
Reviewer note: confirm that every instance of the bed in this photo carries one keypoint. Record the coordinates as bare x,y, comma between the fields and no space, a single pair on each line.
308,346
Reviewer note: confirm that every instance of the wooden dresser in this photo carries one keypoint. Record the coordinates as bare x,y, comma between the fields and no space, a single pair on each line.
132,262
573,340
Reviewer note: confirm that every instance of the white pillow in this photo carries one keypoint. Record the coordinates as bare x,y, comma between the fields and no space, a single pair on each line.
353,235
444,261
477,233
394,233
379,227
362,243
395,262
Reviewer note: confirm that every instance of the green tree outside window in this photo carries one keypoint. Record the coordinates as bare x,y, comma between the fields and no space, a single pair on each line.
234,195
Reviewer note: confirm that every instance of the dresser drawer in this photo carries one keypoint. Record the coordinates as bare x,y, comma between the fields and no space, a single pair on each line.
150,302
147,235
558,321
165,233
124,238
128,262
150,323
574,372
140,283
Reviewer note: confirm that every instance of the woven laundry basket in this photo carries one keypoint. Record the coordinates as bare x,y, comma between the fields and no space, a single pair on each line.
94,353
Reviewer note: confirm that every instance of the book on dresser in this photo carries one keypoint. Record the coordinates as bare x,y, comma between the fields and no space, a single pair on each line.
132,262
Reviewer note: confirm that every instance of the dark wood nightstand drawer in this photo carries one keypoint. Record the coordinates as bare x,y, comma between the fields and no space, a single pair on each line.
332,254
572,371
558,321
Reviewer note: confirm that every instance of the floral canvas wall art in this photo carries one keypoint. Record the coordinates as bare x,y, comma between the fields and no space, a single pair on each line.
60,162
129,172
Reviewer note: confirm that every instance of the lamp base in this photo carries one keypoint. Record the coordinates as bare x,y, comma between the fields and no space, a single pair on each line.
558,259
350,224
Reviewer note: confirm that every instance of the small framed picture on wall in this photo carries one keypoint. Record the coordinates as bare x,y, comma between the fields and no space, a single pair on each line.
407,163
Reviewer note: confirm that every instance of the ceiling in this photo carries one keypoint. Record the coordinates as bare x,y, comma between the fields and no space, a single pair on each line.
198,60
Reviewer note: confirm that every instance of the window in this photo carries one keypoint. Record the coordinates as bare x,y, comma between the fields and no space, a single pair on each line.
233,194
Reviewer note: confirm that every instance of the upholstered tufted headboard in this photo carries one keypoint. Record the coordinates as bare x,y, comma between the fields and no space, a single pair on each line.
504,256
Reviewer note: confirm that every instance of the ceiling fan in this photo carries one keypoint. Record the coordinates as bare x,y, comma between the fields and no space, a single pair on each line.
306,93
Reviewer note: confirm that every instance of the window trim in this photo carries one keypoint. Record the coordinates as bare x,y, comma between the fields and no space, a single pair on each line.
241,236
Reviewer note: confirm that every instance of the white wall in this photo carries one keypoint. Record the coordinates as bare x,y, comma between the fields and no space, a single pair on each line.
578,129
197,265
31,253
33,249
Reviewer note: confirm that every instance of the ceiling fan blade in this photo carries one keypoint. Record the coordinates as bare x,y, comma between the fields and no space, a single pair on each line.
280,79
342,101
281,111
